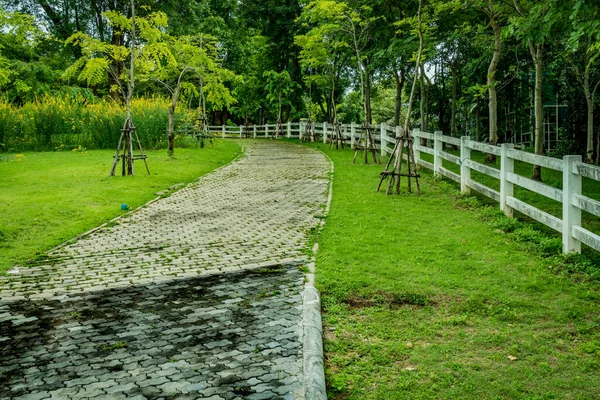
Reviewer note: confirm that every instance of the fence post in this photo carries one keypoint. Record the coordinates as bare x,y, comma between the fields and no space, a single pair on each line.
266,131
289,129
415,144
324,132
241,131
352,133
507,166
465,172
571,214
437,148
223,131
254,131
382,138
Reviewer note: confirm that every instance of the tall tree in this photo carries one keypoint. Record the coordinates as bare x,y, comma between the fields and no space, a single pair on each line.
279,85
100,59
584,49
20,33
352,27
495,17
275,20
419,60
401,44
533,24
322,56
190,64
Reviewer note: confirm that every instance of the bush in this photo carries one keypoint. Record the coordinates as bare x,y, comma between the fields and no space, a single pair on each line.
72,121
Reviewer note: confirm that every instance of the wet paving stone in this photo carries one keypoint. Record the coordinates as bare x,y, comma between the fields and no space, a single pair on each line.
194,296
152,341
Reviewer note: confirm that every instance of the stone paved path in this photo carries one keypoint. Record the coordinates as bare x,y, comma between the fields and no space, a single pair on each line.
197,295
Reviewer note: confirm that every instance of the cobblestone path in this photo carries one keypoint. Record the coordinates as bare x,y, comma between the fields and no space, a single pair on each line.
197,295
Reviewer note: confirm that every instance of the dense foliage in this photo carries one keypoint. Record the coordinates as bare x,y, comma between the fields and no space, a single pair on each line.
521,70
58,123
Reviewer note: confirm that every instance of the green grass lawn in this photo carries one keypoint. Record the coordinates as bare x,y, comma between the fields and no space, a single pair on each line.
424,298
550,177
48,198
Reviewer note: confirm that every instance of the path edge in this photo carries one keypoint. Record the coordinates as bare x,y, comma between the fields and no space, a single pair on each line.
313,357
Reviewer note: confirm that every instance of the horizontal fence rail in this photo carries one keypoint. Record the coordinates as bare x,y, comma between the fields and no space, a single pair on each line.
572,200
296,130
436,144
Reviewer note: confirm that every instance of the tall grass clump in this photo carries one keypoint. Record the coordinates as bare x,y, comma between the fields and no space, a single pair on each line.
9,124
72,121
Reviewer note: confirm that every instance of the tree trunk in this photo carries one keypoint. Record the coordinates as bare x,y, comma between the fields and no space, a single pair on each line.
589,150
280,105
400,79
58,22
537,52
477,132
368,113
590,95
117,69
203,101
406,131
428,86
453,72
335,117
171,148
224,116
491,82
362,71
441,91
131,83
323,110
421,72
99,19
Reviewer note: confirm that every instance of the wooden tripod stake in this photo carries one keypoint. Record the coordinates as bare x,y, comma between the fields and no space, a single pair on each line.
278,129
337,139
406,140
201,129
128,132
309,132
403,142
366,144
247,132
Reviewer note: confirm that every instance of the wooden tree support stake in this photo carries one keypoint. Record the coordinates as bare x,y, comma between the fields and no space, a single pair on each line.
201,132
278,129
309,132
366,144
247,131
404,142
128,133
337,139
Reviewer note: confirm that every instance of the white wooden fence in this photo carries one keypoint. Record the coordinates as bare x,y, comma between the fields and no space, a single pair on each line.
294,130
570,196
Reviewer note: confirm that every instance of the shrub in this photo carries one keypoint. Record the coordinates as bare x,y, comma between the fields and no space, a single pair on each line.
71,121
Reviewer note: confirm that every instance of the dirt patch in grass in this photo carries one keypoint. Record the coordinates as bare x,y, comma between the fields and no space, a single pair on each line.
387,299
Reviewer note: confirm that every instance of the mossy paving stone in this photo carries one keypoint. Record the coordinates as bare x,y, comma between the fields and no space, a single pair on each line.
196,295
165,341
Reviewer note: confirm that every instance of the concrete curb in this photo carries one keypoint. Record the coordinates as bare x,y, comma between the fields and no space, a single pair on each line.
314,367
